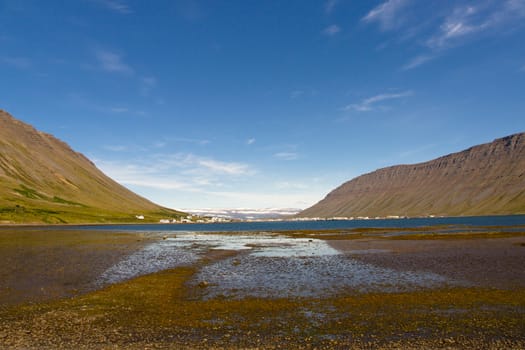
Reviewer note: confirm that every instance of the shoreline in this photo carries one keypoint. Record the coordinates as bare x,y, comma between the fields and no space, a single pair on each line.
261,220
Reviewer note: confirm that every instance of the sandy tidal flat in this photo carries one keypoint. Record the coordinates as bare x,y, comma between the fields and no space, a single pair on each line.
95,289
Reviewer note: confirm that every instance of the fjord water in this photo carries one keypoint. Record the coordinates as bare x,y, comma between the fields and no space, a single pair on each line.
510,220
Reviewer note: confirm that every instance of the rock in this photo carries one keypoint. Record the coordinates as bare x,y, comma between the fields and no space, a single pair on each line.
203,284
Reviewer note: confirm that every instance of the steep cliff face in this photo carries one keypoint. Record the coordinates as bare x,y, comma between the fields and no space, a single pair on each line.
482,180
43,180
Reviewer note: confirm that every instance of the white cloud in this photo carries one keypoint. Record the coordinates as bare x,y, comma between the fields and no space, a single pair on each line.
286,155
250,141
112,62
466,23
201,142
118,6
279,199
192,181
418,61
370,103
387,15
219,167
174,171
332,30
458,24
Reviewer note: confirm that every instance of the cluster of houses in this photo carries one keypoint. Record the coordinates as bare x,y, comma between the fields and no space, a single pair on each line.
351,218
193,219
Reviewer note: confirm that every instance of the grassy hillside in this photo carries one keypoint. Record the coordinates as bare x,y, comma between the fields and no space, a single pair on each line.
42,180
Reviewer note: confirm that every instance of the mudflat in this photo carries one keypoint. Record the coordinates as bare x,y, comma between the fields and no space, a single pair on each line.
373,291
483,262
46,263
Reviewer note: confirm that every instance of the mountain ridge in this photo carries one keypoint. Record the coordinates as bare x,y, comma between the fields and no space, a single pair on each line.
43,180
486,179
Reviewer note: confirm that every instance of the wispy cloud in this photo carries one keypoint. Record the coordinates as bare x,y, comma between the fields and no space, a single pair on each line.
465,23
418,61
456,26
118,6
16,62
370,104
388,14
331,30
468,21
286,155
220,167
147,84
193,164
250,141
118,109
296,93
186,178
112,62
330,5
304,92
175,171
201,142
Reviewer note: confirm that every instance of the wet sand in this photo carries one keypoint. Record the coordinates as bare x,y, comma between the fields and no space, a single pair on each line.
483,262
40,264
51,295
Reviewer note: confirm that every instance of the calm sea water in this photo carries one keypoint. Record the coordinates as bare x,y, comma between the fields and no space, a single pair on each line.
513,220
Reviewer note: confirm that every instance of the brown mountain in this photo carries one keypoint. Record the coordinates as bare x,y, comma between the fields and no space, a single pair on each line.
42,180
482,180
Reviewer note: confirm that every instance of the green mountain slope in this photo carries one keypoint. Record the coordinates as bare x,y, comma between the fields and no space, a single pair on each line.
487,179
42,180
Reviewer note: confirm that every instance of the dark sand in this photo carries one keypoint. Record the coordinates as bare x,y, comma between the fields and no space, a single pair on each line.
484,262
45,264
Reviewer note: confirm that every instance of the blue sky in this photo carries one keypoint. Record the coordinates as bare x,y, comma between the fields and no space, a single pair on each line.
224,104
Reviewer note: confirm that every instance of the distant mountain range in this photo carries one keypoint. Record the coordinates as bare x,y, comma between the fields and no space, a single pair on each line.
42,180
487,179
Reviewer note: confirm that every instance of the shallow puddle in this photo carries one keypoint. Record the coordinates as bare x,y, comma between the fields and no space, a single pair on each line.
262,244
